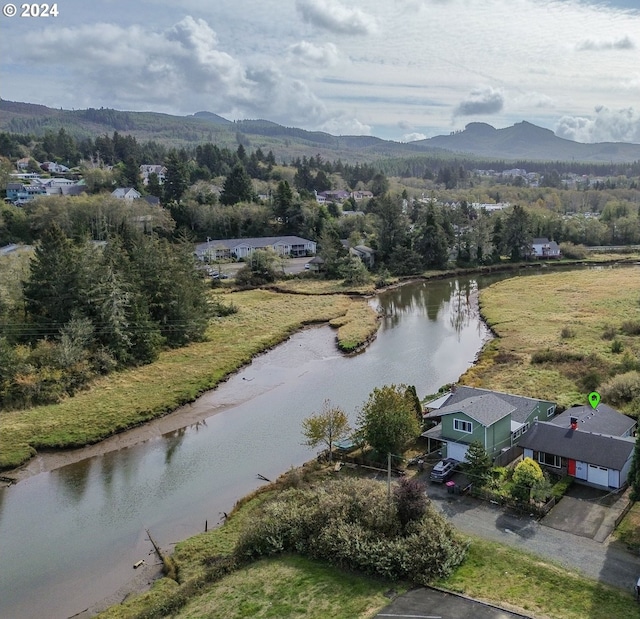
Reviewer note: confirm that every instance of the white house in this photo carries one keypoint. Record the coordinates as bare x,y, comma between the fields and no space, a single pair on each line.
126,193
147,169
218,249
544,248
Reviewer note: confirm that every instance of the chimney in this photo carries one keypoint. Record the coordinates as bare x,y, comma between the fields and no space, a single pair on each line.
574,423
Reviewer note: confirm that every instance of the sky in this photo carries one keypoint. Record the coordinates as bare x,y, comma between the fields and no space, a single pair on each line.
397,69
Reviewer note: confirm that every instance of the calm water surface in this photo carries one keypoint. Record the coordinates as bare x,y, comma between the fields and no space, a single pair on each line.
70,537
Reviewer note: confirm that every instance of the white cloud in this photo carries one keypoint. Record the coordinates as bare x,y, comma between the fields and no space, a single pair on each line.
333,16
343,125
413,137
481,101
606,126
180,67
591,45
312,55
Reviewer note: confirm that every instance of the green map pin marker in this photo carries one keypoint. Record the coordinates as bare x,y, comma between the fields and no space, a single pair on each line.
594,399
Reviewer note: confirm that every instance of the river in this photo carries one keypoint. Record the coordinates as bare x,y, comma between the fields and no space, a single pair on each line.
70,536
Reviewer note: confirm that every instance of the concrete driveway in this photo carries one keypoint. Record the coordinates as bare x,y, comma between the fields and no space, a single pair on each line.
435,604
586,512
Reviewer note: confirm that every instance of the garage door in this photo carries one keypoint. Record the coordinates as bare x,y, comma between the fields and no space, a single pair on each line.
598,475
458,451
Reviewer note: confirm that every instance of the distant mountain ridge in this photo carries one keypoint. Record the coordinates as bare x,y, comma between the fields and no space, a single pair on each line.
522,141
527,141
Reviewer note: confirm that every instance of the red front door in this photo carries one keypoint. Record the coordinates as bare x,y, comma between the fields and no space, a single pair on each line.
571,468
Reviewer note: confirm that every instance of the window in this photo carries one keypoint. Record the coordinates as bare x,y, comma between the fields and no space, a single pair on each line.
550,411
463,426
525,427
549,459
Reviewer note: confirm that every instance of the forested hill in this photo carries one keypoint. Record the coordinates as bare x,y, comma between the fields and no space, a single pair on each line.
522,141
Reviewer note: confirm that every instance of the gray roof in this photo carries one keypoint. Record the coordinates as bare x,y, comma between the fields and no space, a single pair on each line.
256,242
603,420
522,405
600,449
485,409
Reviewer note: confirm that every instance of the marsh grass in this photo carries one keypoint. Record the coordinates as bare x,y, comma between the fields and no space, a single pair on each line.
129,398
358,326
527,314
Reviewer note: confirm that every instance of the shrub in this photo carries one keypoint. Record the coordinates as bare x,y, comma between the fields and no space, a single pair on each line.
622,388
559,488
351,524
411,500
555,356
575,252
567,333
526,476
609,332
630,327
616,346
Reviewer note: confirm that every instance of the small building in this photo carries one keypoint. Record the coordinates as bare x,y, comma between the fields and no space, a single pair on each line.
544,248
599,460
126,193
316,264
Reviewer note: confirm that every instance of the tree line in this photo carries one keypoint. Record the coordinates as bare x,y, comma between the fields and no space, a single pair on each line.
86,309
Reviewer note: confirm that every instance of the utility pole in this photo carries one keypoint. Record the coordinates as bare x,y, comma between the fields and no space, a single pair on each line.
389,476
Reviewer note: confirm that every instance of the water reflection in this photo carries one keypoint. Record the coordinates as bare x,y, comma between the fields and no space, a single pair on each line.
92,513
72,483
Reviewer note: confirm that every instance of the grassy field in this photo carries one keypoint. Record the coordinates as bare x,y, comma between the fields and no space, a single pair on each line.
129,398
292,586
521,581
628,531
569,322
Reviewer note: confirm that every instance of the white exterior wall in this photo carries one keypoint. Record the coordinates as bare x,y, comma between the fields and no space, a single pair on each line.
581,470
614,478
458,451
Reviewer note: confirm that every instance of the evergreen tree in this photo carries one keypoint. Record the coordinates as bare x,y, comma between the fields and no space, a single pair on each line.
634,471
517,234
237,186
51,292
176,179
478,463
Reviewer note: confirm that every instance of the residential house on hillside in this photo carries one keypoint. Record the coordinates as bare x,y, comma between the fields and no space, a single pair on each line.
19,193
147,169
126,193
366,254
498,420
544,248
595,459
337,195
220,249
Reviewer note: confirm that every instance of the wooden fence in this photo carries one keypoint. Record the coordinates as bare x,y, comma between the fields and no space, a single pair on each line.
508,456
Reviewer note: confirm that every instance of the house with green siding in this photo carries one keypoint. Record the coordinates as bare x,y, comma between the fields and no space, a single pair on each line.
497,420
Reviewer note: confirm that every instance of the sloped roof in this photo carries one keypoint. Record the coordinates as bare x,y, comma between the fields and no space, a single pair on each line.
603,420
485,409
523,406
255,242
600,449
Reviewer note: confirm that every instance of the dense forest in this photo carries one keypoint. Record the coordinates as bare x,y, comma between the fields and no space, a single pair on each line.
113,282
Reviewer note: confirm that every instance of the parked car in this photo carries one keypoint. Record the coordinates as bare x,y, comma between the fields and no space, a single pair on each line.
307,266
443,470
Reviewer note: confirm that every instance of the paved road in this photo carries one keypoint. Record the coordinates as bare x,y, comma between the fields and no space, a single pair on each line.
605,561
432,604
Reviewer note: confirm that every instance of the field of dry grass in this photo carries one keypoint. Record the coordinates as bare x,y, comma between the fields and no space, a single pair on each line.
562,335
